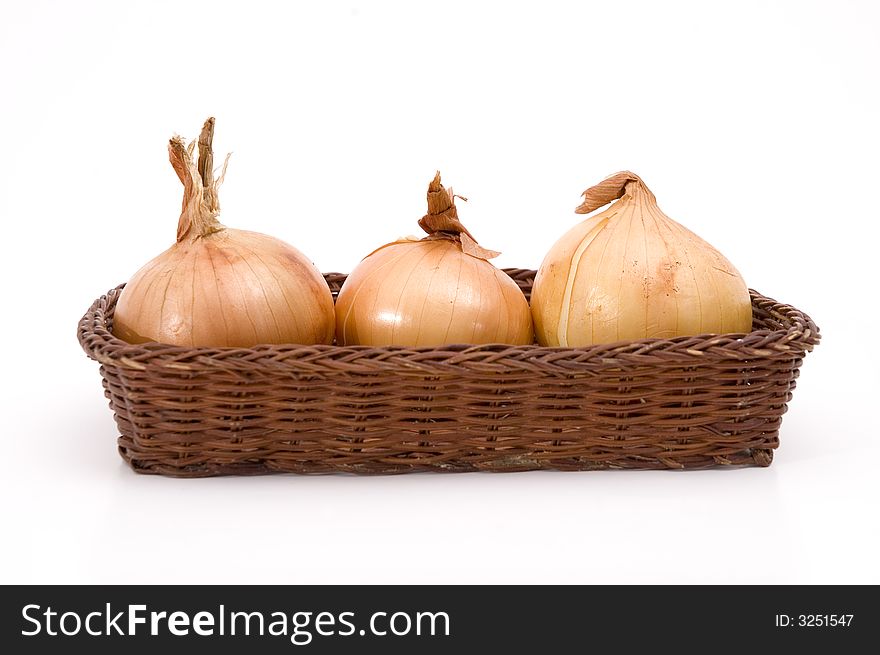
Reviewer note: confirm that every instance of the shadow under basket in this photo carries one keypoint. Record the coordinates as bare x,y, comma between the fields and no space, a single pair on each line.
682,403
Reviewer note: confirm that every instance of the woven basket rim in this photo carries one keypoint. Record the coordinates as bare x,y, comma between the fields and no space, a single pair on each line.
798,335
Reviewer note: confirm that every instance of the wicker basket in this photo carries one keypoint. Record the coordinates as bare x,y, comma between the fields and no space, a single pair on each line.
683,403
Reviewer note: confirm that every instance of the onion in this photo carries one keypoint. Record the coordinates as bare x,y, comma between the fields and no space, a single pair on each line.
631,272
435,291
222,287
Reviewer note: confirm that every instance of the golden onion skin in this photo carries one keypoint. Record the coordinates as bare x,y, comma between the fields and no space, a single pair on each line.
631,272
429,293
231,288
216,286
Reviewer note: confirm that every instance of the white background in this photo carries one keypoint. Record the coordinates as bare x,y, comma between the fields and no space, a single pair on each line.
755,123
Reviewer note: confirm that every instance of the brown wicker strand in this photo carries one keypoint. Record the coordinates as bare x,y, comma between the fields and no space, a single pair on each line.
682,403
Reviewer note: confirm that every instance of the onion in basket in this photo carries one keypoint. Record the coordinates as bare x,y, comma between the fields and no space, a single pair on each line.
222,287
631,272
435,291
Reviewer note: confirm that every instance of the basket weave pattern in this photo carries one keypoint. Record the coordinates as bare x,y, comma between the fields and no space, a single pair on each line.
683,403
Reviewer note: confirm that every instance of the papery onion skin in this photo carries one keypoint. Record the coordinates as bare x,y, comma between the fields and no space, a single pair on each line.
428,293
221,287
218,292
631,272
431,293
